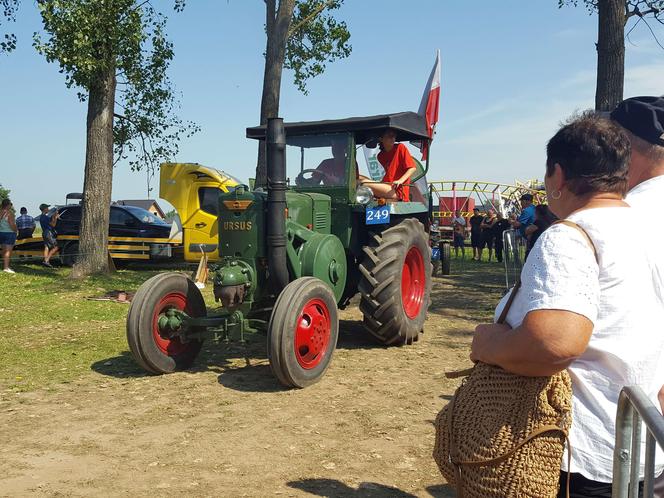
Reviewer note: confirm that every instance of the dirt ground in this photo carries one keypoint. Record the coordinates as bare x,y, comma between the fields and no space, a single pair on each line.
229,429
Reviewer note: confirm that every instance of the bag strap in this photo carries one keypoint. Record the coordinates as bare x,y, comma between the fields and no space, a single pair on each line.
580,229
454,374
537,432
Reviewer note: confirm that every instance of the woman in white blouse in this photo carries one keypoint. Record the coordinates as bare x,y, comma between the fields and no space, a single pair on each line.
598,315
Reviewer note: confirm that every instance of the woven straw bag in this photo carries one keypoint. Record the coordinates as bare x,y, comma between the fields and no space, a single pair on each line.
503,435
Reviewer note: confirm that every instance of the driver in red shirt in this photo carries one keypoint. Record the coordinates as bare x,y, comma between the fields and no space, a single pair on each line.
399,167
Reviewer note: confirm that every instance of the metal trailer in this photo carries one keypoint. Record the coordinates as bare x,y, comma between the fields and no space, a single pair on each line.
635,410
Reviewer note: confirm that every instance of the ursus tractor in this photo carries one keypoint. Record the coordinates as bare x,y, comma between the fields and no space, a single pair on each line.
292,255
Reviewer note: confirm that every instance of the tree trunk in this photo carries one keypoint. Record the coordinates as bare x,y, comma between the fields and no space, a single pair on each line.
277,24
610,54
98,181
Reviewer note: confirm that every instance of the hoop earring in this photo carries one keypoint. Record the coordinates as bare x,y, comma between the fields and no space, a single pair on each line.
556,197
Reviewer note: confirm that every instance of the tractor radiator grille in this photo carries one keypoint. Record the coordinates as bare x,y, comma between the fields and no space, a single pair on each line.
322,222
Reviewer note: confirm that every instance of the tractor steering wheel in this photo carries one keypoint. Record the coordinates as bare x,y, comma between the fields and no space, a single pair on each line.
311,181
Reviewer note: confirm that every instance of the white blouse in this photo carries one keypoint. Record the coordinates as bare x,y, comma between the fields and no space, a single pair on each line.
623,297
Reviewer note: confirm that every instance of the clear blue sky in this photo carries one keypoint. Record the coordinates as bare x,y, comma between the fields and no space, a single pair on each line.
511,71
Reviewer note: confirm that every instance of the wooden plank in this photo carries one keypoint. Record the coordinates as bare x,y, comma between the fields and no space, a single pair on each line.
117,255
128,247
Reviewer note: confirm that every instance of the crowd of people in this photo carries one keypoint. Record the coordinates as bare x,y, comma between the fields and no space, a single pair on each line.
13,228
487,229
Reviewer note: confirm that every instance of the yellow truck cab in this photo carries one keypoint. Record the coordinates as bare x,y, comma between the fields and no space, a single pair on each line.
193,190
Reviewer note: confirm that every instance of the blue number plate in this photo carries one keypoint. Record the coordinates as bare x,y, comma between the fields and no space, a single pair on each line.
435,254
378,216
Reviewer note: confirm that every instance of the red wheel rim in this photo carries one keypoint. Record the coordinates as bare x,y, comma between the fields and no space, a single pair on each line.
168,346
413,281
312,334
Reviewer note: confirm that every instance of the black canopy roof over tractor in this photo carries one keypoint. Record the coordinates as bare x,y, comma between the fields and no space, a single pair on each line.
408,125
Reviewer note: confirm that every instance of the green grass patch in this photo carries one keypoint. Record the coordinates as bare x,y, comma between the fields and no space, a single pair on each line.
53,334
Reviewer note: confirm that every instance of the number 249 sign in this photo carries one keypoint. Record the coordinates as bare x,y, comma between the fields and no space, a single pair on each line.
378,216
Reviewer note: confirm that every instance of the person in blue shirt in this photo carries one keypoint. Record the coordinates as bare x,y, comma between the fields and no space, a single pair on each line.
49,234
527,216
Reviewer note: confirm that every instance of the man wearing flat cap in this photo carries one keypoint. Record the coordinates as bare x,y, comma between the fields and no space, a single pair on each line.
643,120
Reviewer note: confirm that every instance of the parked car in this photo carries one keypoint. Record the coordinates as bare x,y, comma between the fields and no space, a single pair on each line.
134,234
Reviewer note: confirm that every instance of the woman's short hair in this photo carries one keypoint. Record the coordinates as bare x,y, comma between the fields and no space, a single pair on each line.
594,154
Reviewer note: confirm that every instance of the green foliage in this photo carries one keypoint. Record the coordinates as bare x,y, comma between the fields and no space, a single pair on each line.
8,9
316,38
4,193
88,38
638,8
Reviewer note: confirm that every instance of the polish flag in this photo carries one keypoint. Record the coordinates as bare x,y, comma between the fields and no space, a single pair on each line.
431,102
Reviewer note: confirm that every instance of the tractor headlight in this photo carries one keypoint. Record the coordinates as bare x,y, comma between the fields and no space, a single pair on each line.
363,195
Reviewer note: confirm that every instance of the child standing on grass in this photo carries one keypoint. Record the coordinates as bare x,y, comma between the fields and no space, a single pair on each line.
7,233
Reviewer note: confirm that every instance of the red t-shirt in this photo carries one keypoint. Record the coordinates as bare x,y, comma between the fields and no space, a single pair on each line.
396,162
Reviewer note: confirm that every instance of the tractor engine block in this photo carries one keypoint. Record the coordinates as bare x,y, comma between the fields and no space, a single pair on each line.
234,283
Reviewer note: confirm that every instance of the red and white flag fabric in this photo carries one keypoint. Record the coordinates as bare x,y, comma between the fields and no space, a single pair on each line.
431,102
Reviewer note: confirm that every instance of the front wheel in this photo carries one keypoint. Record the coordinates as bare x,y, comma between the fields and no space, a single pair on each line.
303,332
155,348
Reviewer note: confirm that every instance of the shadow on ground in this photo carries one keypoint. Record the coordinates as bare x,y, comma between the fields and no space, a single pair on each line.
245,367
332,488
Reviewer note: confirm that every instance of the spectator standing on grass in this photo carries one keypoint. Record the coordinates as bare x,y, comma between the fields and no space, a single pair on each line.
476,233
459,231
543,220
497,230
25,224
588,300
643,120
487,232
49,234
7,233
527,216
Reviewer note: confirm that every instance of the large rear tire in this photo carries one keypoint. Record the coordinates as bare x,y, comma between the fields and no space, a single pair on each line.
154,350
396,283
303,332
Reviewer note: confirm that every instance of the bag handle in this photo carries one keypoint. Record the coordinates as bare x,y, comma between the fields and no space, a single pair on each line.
454,374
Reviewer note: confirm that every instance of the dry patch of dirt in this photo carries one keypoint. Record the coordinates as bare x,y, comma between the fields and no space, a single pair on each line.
229,429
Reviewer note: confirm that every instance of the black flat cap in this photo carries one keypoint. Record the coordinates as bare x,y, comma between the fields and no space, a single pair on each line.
643,116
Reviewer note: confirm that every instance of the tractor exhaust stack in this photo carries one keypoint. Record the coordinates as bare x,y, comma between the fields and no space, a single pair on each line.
276,203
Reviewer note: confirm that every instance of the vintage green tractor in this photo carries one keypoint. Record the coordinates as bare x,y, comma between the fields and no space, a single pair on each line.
292,255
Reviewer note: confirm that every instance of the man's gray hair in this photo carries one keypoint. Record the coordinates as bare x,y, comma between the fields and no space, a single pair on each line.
653,152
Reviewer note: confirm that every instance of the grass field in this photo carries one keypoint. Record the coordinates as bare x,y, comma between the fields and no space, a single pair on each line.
52,332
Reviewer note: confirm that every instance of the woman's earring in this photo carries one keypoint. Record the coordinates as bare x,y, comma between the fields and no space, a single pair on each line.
557,194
